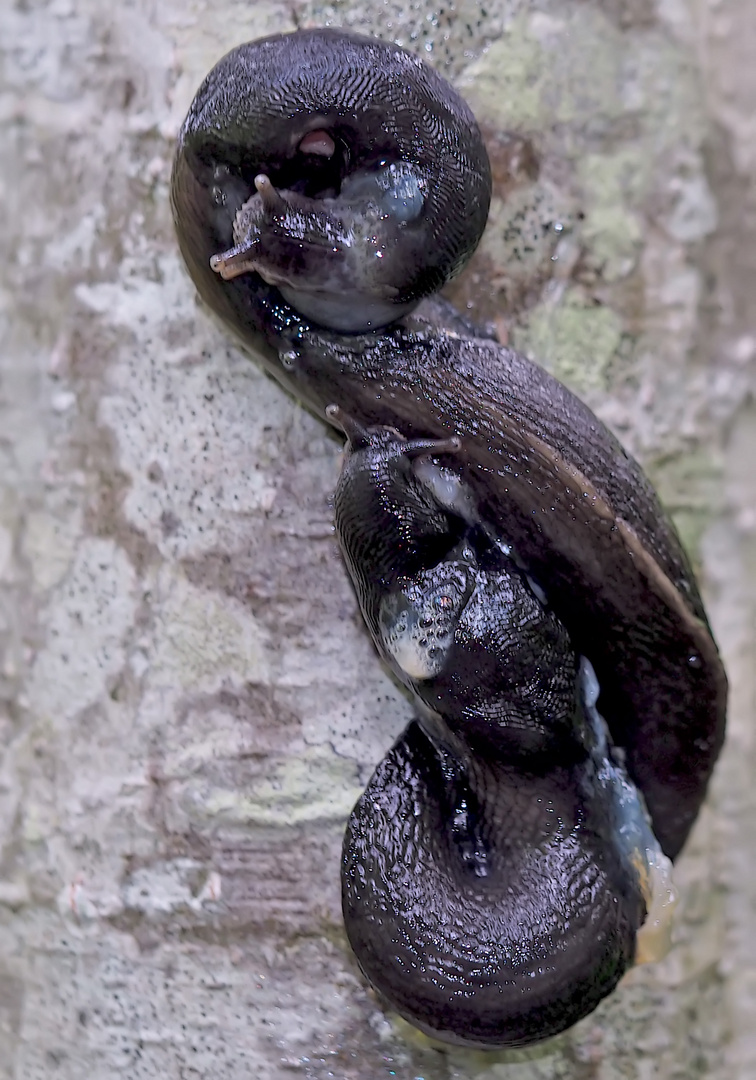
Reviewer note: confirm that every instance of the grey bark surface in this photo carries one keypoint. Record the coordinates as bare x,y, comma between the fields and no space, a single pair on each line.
189,705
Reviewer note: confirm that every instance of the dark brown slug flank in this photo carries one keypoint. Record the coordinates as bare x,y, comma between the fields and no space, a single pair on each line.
510,857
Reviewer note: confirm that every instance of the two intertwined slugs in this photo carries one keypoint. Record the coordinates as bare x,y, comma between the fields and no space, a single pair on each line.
511,560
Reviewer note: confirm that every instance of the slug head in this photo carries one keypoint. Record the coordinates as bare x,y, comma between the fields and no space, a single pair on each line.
389,522
340,261
452,614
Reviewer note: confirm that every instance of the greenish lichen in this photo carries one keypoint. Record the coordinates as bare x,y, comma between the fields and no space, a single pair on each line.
691,487
611,230
575,340
315,786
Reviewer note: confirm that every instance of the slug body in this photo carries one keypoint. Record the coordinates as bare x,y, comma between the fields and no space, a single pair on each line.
296,152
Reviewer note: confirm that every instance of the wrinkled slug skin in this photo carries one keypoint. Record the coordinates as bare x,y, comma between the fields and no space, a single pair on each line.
502,960
548,475
378,104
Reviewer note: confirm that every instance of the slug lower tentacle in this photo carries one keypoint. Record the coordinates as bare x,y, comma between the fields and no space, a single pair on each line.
324,183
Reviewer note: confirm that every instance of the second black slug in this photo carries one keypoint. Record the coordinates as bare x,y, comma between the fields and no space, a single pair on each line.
500,869
500,872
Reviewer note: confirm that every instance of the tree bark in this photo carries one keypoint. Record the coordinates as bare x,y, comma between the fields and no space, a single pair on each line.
189,705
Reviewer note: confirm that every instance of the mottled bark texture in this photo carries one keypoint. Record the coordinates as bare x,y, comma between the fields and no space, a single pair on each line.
189,705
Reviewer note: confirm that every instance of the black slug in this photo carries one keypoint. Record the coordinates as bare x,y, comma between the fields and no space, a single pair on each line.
500,866
323,184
